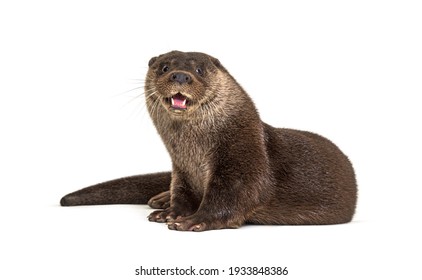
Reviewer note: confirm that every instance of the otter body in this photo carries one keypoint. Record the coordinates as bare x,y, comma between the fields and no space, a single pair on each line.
229,167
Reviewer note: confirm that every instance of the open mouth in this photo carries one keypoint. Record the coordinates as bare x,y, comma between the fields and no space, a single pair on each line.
178,102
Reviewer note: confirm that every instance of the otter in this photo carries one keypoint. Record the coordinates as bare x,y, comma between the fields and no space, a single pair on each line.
229,168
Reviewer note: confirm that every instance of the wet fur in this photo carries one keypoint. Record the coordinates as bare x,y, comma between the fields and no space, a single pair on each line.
229,167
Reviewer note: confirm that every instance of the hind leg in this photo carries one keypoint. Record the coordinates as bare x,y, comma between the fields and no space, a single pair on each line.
160,201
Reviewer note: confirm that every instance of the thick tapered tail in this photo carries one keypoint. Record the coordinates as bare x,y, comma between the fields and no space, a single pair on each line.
128,190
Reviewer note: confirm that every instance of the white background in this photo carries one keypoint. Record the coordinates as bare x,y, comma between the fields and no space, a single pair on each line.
349,70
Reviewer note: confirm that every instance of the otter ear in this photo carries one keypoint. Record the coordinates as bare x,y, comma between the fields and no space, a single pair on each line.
216,62
151,61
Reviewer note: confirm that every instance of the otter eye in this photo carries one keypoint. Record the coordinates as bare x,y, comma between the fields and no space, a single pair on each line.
199,71
165,69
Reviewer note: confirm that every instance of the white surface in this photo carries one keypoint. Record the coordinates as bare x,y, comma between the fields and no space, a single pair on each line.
351,72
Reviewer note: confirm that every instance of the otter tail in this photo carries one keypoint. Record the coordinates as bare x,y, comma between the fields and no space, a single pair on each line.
128,190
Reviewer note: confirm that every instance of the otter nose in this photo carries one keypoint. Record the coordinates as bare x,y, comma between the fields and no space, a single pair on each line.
181,77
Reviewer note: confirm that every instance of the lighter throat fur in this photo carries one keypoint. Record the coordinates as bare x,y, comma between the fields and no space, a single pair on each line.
229,167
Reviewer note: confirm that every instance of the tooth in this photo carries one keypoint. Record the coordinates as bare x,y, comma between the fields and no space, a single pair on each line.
184,102
172,101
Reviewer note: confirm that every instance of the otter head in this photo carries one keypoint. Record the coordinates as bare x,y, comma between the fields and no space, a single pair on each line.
181,82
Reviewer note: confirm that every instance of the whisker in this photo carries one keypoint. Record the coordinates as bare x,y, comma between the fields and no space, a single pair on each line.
140,108
138,80
149,95
155,108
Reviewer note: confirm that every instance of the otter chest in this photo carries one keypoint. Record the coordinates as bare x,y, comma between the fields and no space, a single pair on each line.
192,155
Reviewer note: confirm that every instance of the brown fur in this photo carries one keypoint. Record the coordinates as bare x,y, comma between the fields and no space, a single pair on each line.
229,168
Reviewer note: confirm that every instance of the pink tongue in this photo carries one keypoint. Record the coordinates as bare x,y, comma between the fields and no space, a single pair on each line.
179,101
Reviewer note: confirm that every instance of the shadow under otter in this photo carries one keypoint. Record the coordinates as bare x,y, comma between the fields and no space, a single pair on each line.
229,167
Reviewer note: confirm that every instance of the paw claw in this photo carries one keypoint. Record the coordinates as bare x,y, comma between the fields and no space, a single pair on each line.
157,216
169,218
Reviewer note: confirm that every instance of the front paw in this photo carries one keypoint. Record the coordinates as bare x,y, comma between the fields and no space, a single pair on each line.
184,224
158,216
160,201
197,222
162,216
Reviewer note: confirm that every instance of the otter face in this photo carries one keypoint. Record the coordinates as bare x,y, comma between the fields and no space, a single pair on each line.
180,82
